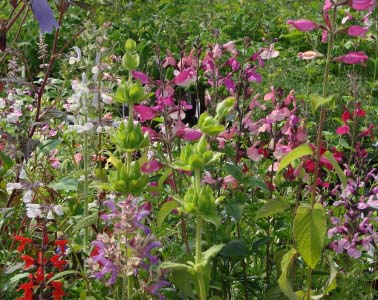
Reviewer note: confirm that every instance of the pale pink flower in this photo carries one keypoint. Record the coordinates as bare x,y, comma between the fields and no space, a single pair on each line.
308,55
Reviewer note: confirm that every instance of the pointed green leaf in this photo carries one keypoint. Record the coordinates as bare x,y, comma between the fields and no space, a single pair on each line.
317,100
211,252
331,284
284,280
336,165
257,183
62,274
175,266
235,248
310,227
273,207
85,222
184,281
165,210
298,152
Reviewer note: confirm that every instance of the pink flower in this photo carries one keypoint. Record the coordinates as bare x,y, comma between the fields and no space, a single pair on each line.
144,112
342,130
151,166
230,47
303,25
188,134
356,30
361,4
143,78
308,55
353,58
185,77
253,153
169,60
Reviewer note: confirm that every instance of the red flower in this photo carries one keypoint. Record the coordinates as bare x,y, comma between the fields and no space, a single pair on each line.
29,261
58,292
61,244
23,240
28,290
346,116
39,275
57,262
309,166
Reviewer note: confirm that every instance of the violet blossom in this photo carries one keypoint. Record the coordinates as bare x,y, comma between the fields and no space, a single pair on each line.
44,15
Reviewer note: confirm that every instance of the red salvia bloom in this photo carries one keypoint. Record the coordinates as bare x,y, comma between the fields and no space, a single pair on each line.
28,290
58,292
23,240
61,244
39,276
29,261
57,262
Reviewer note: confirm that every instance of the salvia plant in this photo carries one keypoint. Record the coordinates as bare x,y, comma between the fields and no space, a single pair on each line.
188,150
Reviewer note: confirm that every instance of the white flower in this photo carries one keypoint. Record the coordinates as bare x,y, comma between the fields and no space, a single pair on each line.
106,99
76,59
33,210
58,210
28,196
13,186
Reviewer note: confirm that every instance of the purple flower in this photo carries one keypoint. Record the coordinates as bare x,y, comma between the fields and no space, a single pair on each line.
44,15
153,289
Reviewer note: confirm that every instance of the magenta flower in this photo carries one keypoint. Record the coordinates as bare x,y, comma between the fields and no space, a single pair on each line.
142,77
361,4
151,166
186,77
303,25
144,112
356,30
188,134
353,58
342,130
44,15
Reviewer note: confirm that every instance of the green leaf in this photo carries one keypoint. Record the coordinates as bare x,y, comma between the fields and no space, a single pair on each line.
211,252
165,210
184,281
235,171
310,227
66,184
274,293
62,274
18,277
336,165
215,298
175,266
47,146
298,152
85,222
235,248
317,100
273,207
255,182
284,280
235,210
331,284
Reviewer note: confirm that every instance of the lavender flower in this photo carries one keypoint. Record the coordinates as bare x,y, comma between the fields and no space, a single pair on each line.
44,15
129,249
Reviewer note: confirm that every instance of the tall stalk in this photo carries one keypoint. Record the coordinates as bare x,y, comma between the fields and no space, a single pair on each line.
322,110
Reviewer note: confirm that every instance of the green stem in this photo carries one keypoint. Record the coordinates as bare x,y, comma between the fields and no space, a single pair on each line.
86,230
198,258
322,110
308,290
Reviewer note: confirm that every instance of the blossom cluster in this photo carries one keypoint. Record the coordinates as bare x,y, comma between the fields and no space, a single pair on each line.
128,249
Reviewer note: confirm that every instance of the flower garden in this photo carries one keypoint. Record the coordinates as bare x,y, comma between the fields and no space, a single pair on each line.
177,149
